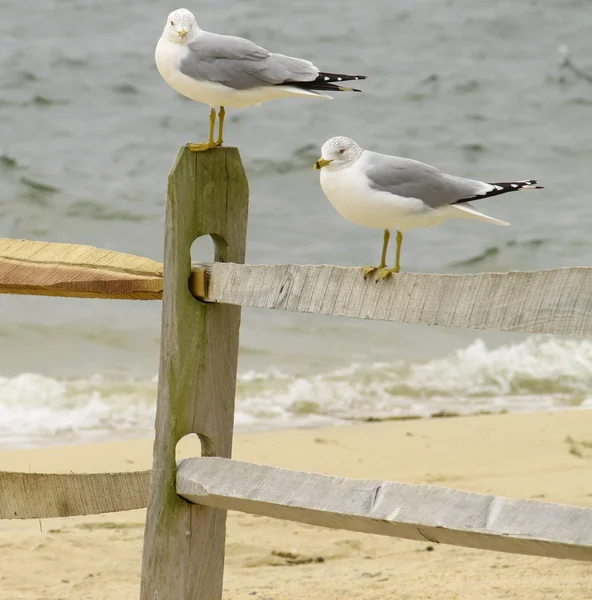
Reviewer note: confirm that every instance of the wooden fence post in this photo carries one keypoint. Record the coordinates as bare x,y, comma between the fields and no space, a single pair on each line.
183,555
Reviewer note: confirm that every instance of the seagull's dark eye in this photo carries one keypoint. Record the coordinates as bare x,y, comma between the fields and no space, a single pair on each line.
173,23
342,151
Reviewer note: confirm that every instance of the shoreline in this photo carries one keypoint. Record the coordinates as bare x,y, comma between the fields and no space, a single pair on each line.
544,455
536,373
334,422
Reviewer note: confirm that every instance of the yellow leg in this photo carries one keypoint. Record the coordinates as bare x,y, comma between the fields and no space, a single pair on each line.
398,257
210,143
385,241
384,273
221,116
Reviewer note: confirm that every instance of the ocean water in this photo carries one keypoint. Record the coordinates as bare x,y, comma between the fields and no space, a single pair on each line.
88,132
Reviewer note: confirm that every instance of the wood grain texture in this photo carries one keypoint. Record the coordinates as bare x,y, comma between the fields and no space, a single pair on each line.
184,544
76,271
557,301
416,512
49,495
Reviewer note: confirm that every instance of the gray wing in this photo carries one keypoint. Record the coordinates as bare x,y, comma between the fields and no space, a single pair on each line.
240,64
413,179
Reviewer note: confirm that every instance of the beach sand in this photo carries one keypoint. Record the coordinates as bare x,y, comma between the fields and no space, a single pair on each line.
542,455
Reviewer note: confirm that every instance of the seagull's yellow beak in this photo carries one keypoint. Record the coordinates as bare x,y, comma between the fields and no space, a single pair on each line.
182,33
322,162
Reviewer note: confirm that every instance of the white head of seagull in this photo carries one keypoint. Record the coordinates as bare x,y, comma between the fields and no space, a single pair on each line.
180,27
338,153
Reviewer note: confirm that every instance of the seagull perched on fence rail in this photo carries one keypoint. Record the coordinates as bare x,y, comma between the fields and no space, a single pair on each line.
223,70
384,192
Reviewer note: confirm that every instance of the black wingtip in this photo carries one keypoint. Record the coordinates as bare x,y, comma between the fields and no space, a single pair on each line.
514,186
339,88
327,82
337,78
531,184
503,188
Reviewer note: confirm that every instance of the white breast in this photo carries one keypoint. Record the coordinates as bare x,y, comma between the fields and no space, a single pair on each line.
349,193
168,56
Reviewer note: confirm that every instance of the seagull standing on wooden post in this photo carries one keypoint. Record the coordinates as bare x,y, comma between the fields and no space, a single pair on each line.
223,70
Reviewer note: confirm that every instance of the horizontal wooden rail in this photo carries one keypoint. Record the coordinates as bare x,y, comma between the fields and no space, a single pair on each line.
557,301
48,495
416,512
76,271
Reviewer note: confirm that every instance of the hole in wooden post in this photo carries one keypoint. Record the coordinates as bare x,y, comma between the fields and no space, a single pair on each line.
203,249
188,446
192,445
208,248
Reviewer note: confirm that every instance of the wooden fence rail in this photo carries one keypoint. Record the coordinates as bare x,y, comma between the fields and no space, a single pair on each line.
184,540
76,271
415,512
50,495
556,301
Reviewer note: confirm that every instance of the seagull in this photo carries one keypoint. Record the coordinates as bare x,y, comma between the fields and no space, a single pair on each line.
389,192
223,70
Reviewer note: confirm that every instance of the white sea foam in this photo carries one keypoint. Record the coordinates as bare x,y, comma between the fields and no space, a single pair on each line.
540,373
37,410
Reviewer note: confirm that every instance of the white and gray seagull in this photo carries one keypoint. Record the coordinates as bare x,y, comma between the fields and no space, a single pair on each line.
389,192
223,70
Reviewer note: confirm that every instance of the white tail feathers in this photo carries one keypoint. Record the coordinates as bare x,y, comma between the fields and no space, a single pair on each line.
468,212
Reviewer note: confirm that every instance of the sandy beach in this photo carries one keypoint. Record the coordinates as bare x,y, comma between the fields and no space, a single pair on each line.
541,455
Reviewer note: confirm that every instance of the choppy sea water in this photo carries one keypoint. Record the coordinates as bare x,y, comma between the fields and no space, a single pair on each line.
88,131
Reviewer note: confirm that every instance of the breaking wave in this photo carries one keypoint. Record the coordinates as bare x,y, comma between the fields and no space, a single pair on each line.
541,373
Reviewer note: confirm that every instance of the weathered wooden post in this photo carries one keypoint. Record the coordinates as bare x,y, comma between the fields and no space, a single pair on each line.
183,554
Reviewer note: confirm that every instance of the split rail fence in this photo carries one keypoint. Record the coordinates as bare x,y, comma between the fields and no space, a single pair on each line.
184,539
